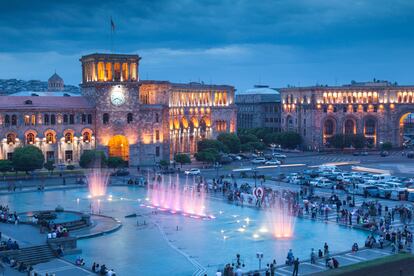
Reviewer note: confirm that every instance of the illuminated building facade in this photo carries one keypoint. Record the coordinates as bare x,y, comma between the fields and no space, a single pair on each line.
378,110
141,121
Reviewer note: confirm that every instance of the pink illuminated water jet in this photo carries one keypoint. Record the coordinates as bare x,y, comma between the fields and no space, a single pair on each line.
280,223
188,199
97,182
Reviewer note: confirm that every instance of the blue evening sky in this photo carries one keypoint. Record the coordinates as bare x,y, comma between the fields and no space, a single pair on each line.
237,42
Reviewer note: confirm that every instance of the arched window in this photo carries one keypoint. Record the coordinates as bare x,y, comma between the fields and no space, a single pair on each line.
11,139
65,118
86,137
53,119
157,117
349,127
329,127
89,119
7,120
13,120
30,138
130,118
105,118
50,138
370,127
46,119
68,138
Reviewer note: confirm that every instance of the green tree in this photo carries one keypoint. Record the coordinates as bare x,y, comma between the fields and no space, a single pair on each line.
207,156
5,166
92,159
182,158
115,162
164,163
248,137
386,146
290,139
211,144
341,141
28,158
50,166
231,141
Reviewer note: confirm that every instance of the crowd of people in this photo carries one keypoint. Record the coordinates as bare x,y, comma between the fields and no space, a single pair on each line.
8,216
102,270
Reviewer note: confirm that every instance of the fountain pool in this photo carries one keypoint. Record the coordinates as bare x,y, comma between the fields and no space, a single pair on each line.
159,249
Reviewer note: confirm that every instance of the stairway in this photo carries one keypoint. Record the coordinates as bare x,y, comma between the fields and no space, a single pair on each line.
35,254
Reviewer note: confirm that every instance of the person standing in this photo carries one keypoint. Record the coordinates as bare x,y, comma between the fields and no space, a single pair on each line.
296,267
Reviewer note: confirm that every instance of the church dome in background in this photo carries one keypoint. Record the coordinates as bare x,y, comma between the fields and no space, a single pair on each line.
55,83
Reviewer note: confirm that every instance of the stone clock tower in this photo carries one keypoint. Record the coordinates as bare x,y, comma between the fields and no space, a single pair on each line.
110,82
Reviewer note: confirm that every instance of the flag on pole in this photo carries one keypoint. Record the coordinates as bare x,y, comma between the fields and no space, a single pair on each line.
112,25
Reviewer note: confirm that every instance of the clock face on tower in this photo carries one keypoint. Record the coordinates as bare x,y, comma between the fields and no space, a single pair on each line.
117,97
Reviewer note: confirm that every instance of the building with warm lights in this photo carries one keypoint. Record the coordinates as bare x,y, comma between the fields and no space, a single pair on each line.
258,107
140,121
378,110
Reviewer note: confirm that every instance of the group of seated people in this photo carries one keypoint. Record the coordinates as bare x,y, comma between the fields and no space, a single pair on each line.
355,247
8,217
79,261
370,241
58,231
9,245
332,263
102,270
20,266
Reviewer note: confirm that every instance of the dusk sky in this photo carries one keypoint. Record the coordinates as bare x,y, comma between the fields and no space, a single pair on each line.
242,43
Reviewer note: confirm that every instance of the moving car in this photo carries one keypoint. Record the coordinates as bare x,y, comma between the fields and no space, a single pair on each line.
259,160
278,155
273,162
193,172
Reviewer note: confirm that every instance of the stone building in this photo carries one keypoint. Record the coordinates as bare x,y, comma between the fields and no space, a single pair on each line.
258,107
140,121
379,110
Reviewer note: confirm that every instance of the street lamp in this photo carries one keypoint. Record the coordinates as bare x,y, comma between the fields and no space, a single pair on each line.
259,255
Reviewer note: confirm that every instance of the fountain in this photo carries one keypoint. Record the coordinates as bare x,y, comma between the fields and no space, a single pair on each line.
97,182
188,200
280,223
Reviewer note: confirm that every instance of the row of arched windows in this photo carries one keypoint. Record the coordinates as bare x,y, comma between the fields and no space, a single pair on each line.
48,119
50,137
349,127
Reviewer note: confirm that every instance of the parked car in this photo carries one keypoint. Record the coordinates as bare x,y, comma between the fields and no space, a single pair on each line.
259,160
192,172
384,153
120,172
273,162
225,159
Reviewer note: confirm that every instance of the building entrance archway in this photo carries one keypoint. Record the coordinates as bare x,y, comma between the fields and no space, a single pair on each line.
406,128
118,146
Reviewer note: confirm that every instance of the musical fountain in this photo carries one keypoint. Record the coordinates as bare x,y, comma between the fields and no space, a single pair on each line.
97,183
169,196
280,223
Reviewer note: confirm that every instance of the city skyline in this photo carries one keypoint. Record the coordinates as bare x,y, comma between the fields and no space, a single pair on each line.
226,42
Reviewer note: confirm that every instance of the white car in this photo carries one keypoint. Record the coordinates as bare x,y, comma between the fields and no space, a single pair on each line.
278,155
193,172
259,160
272,162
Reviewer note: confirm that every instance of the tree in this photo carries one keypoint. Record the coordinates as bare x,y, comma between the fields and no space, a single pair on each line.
341,141
164,163
211,144
115,162
92,159
28,158
50,166
207,156
5,166
182,159
231,141
290,139
248,137
386,146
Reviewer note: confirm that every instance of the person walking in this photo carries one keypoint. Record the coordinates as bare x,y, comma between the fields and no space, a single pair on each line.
296,267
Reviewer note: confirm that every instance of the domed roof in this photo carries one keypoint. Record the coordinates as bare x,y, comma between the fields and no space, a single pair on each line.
55,78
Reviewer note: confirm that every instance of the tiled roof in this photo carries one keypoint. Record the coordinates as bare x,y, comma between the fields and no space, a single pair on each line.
45,102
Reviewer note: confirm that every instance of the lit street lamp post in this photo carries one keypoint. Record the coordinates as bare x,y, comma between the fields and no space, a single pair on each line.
259,255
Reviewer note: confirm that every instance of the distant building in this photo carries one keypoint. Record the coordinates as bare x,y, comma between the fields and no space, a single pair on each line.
55,83
258,107
379,110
